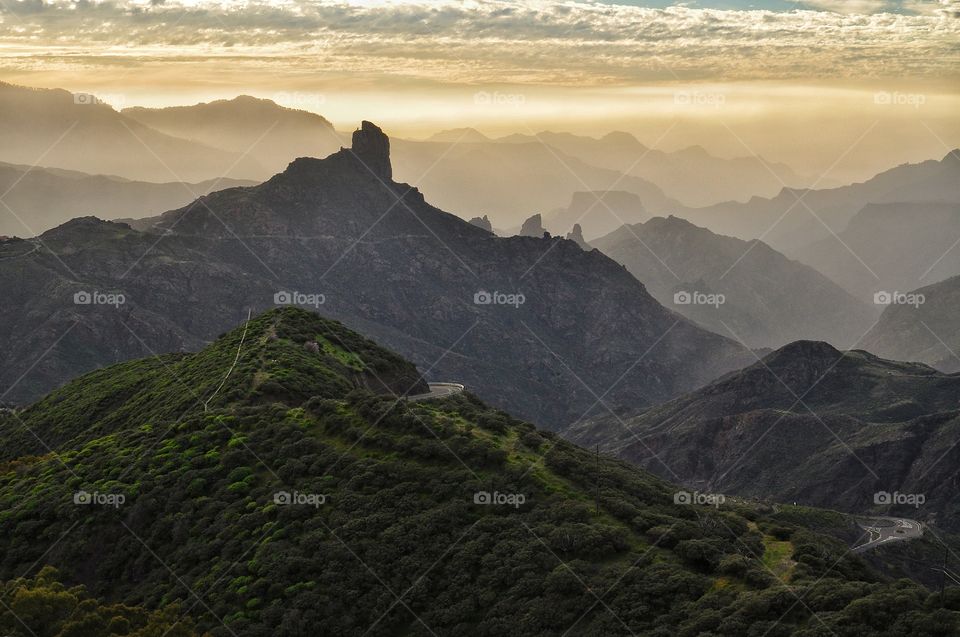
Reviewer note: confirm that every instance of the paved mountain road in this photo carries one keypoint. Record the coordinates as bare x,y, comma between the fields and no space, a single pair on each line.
885,530
438,390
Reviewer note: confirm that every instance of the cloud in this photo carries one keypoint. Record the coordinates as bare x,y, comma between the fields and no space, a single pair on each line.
475,41
850,7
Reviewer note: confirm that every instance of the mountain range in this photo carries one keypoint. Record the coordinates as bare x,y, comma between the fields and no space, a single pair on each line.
597,213
927,331
37,199
807,424
535,325
57,129
893,247
273,483
796,218
259,128
742,289
690,175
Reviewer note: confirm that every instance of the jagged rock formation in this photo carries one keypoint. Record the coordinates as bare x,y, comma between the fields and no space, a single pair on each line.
576,235
372,147
533,227
338,236
598,213
482,222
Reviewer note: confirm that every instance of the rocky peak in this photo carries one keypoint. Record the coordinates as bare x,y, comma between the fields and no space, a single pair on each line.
482,222
372,146
808,356
533,227
576,235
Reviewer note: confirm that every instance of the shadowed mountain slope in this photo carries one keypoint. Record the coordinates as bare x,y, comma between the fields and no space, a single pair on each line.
808,424
536,325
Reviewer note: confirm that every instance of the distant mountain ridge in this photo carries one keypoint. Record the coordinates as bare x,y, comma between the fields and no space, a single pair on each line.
598,213
41,198
928,332
761,296
891,247
272,133
60,129
788,225
375,255
690,175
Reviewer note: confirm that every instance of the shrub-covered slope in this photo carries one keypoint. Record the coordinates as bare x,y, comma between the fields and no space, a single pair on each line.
270,485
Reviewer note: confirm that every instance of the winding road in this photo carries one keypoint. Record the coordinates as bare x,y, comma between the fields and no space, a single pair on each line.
885,530
437,390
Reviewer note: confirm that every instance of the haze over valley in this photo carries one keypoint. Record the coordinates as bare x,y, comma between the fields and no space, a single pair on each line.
491,318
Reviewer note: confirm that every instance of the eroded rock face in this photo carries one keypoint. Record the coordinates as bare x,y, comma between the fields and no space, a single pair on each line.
576,235
533,227
482,222
372,147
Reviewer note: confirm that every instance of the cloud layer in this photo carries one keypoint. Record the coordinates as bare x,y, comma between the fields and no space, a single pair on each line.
480,41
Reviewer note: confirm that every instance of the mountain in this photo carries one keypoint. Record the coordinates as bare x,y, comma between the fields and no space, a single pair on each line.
274,134
599,213
41,198
273,483
807,424
928,332
787,223
482,222
509,180
690,175
532,227
893,247
466,135
742,289
522,321
58,129
576,235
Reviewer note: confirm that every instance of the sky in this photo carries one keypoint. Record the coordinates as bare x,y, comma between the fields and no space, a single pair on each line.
876,81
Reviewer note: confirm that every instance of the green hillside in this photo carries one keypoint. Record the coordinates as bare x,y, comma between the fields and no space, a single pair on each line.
272,484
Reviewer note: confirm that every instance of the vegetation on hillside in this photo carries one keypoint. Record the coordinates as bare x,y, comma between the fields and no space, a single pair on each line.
300,502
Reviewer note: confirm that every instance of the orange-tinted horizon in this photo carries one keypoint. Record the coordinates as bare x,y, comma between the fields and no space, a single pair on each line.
825,92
